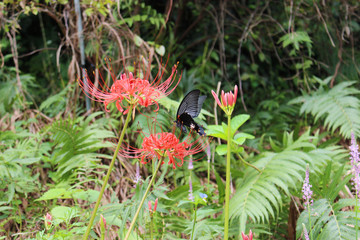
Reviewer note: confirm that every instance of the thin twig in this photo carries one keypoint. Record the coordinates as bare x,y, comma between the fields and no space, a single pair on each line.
215,106
169,7
339,54
12,38
290,27
322,19
35,51
242,38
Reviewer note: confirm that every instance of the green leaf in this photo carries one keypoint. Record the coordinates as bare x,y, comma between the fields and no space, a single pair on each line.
54,193
295,38
138,40
221,187
26,161
262,56
5,208
237,149
88,195
221,149
11,191
89,11
237,122
160,49
216,131
239,136
63,213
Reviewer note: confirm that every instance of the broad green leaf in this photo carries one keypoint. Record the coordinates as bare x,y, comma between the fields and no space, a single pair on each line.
221,149
225,129
243,135
216,131
237,149
237,121
53,194
62,213
88,195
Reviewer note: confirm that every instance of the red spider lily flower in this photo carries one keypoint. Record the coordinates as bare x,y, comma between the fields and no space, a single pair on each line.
165,144
244,237
130,89
228,100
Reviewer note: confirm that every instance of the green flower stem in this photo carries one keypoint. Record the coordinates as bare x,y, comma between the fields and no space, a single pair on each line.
151,227
311,235
143,199
356,213
249,164
208,176
227,186
193,228
106,179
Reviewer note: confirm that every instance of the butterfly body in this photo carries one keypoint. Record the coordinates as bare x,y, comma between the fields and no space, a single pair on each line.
190,108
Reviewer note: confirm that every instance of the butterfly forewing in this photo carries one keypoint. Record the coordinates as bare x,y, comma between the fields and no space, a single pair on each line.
191,104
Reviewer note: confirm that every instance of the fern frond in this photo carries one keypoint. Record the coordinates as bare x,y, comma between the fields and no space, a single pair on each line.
77,144
258,195
338,106
329,220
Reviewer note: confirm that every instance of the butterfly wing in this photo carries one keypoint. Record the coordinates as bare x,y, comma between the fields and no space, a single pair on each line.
191,104
200,103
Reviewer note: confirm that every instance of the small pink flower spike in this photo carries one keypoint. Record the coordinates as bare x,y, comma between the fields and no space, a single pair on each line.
48,219
102,220
149,205
245,237
155,205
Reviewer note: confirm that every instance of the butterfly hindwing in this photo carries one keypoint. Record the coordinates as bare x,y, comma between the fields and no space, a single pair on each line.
200,103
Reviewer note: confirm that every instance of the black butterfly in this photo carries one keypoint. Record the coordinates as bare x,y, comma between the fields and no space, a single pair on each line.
190,108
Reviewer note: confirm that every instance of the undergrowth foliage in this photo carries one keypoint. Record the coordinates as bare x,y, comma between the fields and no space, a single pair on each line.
258,195
338,107
76,145
330,217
